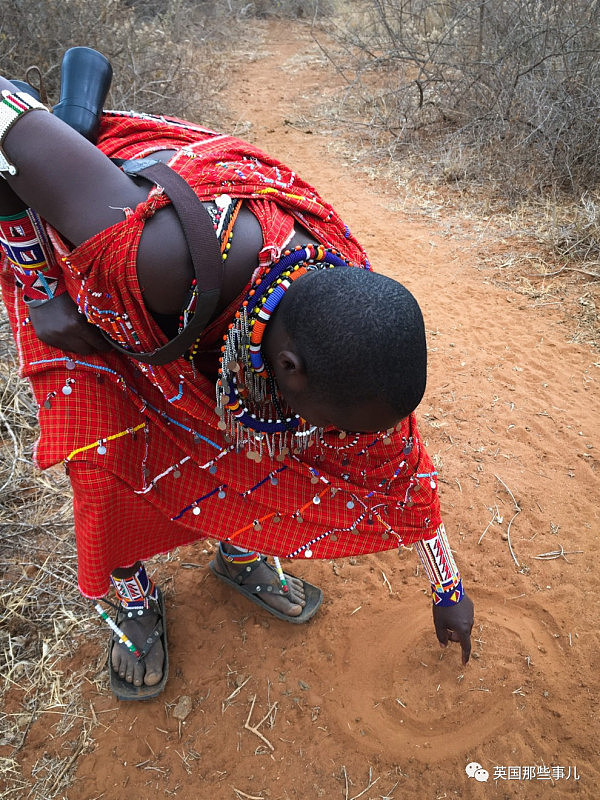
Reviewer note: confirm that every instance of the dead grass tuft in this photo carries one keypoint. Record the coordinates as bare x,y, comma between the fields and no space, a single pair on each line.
167,58
42,614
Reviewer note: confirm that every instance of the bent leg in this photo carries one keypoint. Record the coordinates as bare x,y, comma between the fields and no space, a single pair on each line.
116,527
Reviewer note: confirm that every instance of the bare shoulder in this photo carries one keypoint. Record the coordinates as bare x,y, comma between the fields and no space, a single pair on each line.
164,266
165,269
79,191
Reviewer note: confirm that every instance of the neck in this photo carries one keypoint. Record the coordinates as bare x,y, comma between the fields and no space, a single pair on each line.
247,393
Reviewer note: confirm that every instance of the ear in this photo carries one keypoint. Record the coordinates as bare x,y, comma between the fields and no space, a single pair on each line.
290,371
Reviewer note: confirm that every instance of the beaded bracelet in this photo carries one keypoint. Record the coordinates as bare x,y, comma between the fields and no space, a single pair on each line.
13,106
441,569
25,243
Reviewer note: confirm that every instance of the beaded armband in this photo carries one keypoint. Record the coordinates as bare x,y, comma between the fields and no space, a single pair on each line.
134,593
13,106
441,569
24,240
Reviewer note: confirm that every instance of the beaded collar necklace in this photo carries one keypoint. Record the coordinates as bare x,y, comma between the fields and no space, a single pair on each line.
249,404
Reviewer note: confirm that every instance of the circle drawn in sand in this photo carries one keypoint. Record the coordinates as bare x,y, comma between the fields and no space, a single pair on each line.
416,695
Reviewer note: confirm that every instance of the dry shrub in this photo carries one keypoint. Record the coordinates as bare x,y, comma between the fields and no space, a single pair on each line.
164,55
283,9
498,100
573,232
514,85
167,55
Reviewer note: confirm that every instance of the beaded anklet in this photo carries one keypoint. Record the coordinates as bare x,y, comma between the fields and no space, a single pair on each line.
240,558
135,592
248,557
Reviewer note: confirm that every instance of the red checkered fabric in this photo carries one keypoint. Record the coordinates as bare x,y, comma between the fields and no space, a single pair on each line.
149,467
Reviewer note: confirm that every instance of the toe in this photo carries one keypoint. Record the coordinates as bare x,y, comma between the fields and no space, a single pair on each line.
294,610
154,665
283,603
296,587
116,660
129,671
152,678
122,667
138,673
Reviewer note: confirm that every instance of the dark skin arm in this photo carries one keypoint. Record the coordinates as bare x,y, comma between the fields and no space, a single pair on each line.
80,192
59,174
57,322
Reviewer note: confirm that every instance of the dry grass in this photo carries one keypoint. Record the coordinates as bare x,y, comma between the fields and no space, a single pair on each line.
42,615
167,58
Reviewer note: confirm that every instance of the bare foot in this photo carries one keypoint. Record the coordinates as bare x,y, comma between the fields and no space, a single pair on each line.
290,603
149,670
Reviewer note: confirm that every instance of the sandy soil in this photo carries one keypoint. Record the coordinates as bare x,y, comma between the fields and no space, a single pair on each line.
364,694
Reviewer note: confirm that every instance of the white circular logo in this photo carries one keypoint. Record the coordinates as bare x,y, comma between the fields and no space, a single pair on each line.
472,768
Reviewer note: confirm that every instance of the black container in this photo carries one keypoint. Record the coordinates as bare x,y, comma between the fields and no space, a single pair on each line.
85,81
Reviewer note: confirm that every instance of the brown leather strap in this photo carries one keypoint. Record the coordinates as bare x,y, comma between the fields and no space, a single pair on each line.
204,250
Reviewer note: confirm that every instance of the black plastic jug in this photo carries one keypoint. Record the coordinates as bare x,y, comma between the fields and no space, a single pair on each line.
85,80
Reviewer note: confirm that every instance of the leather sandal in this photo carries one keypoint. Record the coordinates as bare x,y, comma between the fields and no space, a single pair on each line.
255,592
121,688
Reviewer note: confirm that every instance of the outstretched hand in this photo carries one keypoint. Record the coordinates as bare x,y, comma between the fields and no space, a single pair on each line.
454,623
60,324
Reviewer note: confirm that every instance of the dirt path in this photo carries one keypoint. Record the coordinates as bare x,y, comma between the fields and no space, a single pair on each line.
364,692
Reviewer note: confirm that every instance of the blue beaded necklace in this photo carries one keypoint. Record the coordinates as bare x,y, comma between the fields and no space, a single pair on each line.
249,403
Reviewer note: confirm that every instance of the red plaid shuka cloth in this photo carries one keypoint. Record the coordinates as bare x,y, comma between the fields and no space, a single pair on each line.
149,467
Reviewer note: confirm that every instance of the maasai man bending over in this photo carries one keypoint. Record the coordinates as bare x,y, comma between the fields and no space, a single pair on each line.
284,426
